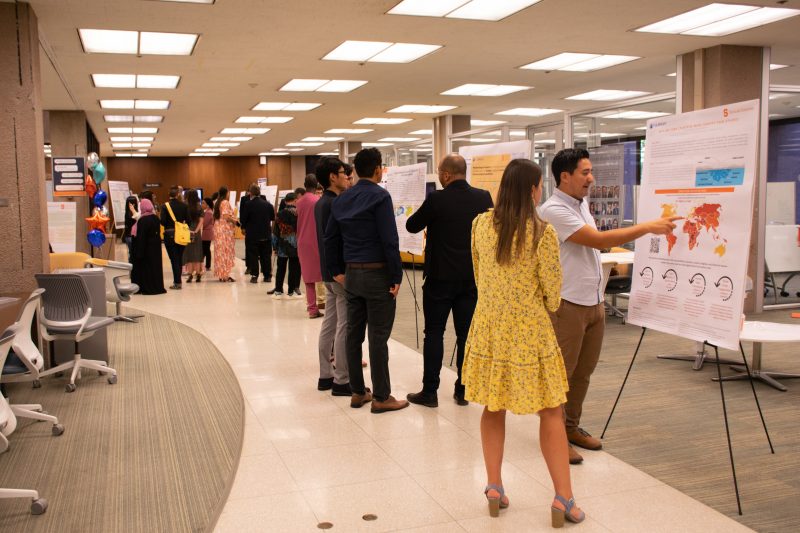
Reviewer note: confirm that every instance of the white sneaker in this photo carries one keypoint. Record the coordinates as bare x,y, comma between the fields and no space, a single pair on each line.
277,295
294,296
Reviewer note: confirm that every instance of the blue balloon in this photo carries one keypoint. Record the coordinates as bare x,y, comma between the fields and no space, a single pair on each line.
100,198
96,238
99,173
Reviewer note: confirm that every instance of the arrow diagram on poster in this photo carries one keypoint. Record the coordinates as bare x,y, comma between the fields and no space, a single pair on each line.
698,283
647,277
725,286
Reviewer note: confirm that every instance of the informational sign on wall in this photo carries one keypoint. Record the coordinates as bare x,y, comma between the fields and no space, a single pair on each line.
69,176
61,225
118,192
699,166
406,185
608,168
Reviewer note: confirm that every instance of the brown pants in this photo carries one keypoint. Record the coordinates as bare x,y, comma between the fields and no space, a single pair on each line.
579,329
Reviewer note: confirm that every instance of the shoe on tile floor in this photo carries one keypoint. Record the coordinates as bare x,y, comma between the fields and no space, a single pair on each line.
321,305
253,279
341,389
267,279
176,286
580,437
389,404
459,398
276,295
357,400
423,398
324,383
315,315
574,457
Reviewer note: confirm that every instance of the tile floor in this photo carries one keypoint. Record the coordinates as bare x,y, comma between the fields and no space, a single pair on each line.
309,458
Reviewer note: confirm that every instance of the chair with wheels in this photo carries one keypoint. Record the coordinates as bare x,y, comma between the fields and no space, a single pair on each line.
118,285
29,360
618,284
67,315
8,423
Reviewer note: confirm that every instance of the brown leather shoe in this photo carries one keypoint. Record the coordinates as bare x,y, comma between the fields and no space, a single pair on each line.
580,437
357,400
390,404
574,457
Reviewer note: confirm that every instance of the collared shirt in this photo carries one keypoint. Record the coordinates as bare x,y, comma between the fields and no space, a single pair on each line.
322,212
581,266
362,229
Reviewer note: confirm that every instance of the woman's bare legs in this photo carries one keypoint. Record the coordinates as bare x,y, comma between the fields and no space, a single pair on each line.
493,436
553,442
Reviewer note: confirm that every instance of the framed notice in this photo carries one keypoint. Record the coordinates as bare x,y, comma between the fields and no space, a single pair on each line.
69,175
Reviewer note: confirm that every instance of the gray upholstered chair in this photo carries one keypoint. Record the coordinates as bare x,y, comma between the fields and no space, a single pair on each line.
67,315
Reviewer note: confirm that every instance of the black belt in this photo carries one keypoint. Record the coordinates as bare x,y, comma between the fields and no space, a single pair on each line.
366,265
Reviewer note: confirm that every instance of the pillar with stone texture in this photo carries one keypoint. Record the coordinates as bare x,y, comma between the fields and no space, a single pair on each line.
726,74
443,127
23,206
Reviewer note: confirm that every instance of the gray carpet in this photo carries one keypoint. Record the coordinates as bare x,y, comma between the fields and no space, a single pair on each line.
156,452
669,421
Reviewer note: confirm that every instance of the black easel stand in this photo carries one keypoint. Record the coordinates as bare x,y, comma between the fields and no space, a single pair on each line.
724,407
413,288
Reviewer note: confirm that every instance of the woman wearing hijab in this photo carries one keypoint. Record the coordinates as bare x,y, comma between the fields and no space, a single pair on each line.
146,249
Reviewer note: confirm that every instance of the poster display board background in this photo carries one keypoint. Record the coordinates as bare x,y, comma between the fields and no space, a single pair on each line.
608,168
118,192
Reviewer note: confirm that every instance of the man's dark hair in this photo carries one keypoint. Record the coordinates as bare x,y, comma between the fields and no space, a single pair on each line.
348,169
366,161
325,167
291,197
567,161
300,191
146,195
254,191
173,192
310,183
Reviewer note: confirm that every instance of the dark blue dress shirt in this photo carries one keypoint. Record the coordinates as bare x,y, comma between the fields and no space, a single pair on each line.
362,229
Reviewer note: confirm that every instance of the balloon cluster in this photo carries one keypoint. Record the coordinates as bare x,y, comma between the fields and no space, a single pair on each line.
99,219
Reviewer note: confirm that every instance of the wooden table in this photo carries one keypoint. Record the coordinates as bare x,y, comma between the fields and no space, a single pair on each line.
9,311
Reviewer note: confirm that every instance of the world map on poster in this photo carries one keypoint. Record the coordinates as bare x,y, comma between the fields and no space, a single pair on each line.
700,217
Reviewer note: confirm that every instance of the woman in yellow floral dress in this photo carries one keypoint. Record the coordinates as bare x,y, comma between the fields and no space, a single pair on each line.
512,359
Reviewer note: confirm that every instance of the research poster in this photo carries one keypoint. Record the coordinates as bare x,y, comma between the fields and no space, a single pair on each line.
608,168
406,185
118,191
510,150
487,171
61,225
699,166
271,193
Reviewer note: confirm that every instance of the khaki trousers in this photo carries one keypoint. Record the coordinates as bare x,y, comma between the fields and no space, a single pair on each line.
579,329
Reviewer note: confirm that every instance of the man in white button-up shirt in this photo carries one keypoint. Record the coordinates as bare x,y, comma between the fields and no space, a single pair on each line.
580,320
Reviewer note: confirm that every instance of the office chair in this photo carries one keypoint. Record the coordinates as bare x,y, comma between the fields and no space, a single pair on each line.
66,315
619,284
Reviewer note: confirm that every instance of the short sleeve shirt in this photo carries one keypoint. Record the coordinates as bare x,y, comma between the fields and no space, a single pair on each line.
581,266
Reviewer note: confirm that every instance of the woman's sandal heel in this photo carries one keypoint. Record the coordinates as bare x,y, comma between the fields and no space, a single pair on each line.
559,516
495,503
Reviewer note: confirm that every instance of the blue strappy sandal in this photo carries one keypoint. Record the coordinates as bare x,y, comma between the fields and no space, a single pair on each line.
557,516
495,504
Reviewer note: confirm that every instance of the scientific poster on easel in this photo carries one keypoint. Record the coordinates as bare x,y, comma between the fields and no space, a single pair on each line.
700,166
118,192
271,194
486,162
406,185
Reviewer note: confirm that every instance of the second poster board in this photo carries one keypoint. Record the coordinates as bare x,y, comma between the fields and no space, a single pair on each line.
486,162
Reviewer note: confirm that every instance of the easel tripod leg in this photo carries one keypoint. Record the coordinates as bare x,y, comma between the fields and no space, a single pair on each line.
755,396
727,429
624,381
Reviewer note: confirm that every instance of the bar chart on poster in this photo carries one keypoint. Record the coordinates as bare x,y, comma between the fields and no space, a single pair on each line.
700,166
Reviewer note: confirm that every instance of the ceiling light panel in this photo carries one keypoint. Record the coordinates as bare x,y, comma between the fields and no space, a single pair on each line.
118,118
426,8
148,118
481,89
423,109
607,95
476,122
274,153
636,115
131,130
370,120
399,139
717,19
599,63
157,81
404,53
578,62
114,81
356,50
329,153
263,120
353,131
302,85
170,44
323,86
116,104
131,139
380,52
375,145
305,144
775,66
529,112
491,10
421,132
152,104
109,41
323,139
284,106
250,131
135,104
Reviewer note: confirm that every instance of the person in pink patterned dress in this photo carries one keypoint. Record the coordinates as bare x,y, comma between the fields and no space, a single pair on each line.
307,246
224,227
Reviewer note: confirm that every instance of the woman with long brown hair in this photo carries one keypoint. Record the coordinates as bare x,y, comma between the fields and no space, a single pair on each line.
512,361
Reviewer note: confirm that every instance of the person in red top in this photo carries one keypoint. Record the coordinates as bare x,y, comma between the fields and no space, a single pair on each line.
307,246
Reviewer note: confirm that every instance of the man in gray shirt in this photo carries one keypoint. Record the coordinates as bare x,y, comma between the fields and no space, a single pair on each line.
580,320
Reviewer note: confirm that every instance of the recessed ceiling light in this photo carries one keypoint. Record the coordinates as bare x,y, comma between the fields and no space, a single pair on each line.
116,104
421,132
115,81
323,86
518,133
323,139
284,106
482,89
157,81
375,145
152,104
399,139
131,139
369,120
169,44
776,66
139,155
329,153
211,145
133,42
122,155
305,144
476,122
274,153
132,130
263,120
118,118
529,111
354,131
210,150
671,74
412,108
134,104
578,62
148,118
716,20
636,115
463,9
303,85
641,128
606,95
380,52
290,149
251,131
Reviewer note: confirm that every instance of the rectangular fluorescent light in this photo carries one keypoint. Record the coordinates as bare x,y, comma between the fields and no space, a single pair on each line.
636,115
399,139
118,118
370,120
114,81
137,43
717,19
236,139
139,155
482,89
412,108
131,139
273,153
251,131
134,104
167,44
776,66
263,120
463,9
323,139
116,104
379,52
421,132
304,144
132,130
426,8
157,81
122,155
152,104
329,153
375,145
229,145
284,106
476,122
529,112
148,118
211,145
578,62
201,150
352,131
606,95
671,75
323,86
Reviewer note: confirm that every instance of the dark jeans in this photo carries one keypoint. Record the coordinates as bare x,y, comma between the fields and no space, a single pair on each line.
175,253
207,253
438,298
369,302
294,273
259,251
129,244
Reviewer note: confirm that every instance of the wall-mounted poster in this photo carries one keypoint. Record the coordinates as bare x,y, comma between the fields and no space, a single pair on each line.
608,168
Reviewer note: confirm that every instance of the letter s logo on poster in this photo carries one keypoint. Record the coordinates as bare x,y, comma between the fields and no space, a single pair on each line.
725,112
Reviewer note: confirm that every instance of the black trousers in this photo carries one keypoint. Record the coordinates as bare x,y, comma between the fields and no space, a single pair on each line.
369,303
294,273
207,253
439,297
175,254
259,252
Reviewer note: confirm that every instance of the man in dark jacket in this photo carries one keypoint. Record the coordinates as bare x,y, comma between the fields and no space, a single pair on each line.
449,278
174,250
256,219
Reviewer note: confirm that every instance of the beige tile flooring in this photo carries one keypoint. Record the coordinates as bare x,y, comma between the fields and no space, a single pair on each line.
309,458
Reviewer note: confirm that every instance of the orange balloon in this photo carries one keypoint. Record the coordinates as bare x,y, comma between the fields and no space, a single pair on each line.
90,186
98,221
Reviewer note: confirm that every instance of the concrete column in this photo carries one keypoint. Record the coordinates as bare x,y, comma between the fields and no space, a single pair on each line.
66,133
348,150
444,126
726,74
23,207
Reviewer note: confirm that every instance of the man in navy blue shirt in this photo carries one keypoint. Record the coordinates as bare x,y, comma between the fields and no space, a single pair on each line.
362,252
